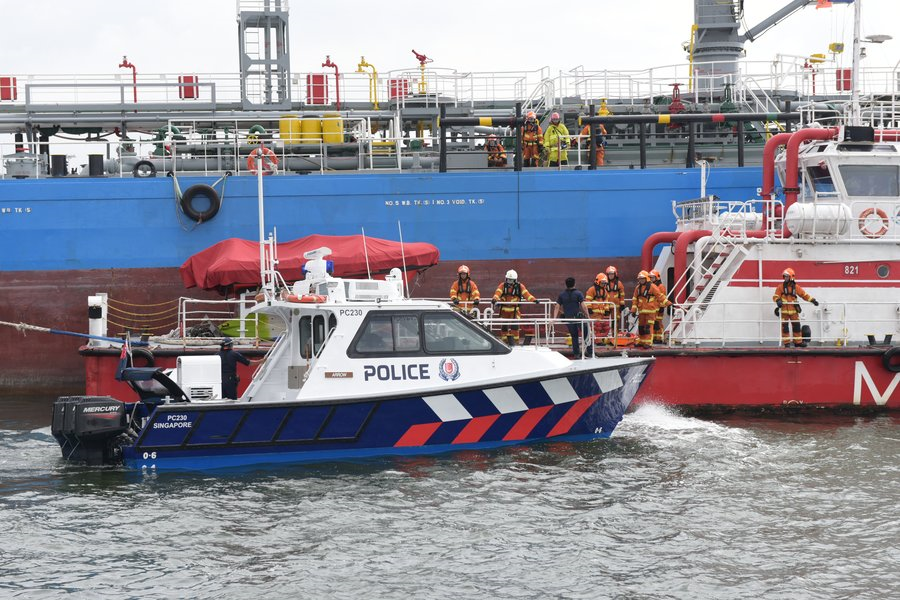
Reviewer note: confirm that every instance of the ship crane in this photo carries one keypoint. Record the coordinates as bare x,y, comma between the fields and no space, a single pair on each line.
718,45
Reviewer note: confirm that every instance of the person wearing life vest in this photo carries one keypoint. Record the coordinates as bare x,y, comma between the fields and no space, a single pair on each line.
645,304
556,139
616,292
464,293
496,155
658,323
598,303
600,133
786,298
532,140
508,295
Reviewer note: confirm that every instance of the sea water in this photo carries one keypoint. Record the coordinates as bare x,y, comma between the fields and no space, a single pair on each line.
670,507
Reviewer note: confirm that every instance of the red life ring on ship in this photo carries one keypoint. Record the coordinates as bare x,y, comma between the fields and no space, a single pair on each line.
268,159
864,226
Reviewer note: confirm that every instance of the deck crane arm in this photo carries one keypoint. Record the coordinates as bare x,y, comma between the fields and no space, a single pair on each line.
775,18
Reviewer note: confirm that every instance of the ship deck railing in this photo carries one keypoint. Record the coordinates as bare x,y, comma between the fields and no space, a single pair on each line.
833,324
753,85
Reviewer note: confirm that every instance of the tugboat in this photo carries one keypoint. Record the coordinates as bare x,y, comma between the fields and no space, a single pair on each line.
838,229
360,371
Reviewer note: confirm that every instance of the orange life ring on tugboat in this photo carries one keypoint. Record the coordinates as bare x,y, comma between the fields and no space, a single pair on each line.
864,225
268,159
307,298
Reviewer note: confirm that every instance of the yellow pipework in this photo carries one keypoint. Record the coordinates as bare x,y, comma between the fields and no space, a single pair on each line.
694,29
604,111
373,80
422,87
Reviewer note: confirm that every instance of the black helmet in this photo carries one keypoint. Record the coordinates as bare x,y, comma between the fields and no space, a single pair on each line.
227,343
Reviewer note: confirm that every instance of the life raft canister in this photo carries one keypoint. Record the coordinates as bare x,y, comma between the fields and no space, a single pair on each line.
864,223
265,156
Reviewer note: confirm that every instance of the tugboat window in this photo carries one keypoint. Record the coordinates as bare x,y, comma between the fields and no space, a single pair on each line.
820,178
871,180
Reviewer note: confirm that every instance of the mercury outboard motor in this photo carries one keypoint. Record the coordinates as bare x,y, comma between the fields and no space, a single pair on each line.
90,428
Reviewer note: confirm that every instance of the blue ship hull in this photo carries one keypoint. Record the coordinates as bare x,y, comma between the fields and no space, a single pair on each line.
198,437
71,224
66,239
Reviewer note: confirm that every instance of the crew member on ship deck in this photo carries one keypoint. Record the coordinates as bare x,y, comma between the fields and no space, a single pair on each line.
571,304
597,300
601,142
532,140
556,139
786,298
463,292
509,294
658,323
647,301
496,154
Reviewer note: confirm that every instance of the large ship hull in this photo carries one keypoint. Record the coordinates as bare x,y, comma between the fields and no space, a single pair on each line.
65,239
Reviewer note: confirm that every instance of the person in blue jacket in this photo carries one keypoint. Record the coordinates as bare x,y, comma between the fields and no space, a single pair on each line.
230,358
571,304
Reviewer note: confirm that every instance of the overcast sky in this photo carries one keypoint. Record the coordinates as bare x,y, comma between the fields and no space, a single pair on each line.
173,36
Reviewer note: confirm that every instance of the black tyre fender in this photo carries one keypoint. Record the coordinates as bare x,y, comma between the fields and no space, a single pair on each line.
887,359
143,168
144,356
205,191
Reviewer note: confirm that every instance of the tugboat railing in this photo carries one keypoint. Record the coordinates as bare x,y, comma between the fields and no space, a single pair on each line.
832,324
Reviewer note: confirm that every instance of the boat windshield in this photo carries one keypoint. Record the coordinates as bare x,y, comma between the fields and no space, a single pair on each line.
871,180
407,333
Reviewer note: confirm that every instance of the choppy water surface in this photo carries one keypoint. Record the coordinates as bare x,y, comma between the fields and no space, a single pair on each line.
671,507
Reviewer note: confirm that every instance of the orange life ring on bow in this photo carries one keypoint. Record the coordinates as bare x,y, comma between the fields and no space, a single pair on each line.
864,226
268,158
307,298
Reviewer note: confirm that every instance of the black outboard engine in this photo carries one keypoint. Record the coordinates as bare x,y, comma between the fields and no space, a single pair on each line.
90,428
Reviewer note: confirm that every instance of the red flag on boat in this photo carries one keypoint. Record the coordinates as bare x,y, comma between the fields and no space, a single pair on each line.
234,263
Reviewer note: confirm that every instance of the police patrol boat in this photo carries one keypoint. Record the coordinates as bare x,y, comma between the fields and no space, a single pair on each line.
360,371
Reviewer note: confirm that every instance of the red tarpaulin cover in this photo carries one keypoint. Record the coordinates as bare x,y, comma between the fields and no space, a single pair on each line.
235,262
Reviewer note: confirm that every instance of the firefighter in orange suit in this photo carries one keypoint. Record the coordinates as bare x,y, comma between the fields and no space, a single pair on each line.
616,291
597,301
464,293
496,154
786,298
658,324
601,141
532,140
645,304
509,294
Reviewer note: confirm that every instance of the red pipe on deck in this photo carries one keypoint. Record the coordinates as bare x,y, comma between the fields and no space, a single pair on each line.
791,176
682,242
651,242
127,65
887,135
337,81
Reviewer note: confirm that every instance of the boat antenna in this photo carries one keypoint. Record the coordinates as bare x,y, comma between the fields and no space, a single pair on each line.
854,72
403,256
366,252
262,226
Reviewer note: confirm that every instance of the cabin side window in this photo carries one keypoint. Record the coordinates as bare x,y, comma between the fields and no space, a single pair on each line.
386,333
447,333
871,180
314,333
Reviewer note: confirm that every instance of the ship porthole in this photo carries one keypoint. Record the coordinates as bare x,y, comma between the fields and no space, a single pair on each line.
883,271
